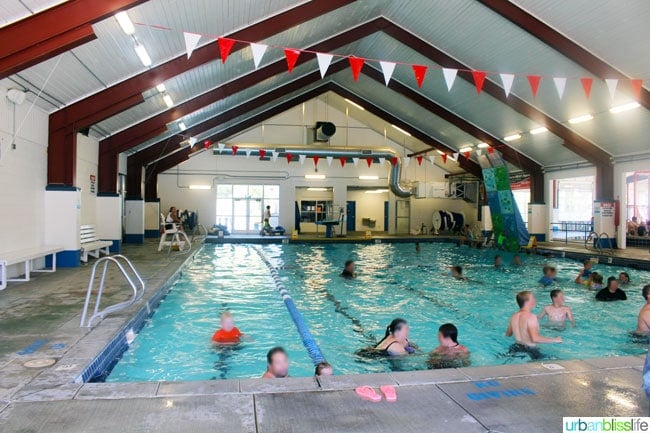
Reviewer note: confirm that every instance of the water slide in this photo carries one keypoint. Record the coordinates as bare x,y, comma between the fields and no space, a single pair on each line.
509,228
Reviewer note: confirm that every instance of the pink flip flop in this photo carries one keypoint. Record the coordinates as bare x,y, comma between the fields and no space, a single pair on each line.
389,392
367,393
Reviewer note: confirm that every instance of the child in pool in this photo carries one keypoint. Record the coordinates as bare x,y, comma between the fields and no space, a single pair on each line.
557,312
550,274
584,273
228,333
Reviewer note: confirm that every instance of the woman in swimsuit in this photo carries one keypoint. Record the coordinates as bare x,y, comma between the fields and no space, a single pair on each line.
396,341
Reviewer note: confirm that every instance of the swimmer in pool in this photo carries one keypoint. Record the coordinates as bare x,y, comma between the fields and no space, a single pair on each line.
277,364
498,262
595,281
643,322
456,272
417,247
396,340
557,312
228,333
450,353
324,369
623,279
516,261
584,273
348,271
549,276
524,326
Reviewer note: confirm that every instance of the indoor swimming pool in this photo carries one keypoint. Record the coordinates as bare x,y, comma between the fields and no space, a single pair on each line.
345,316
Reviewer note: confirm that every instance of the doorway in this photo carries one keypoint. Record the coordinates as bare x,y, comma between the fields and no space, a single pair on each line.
241,207
351,212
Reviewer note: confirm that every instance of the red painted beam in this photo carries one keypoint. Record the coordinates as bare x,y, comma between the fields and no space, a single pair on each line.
560,43
49,48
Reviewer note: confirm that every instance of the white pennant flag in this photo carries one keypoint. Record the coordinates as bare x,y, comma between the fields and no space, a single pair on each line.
387,68
301,158
274,155
355,161
431,159
191,41
407,161
450,76
507,80
611,86
454,156
221,146
324,61
248,153
479,152
560,84
382,161
258,52
329,160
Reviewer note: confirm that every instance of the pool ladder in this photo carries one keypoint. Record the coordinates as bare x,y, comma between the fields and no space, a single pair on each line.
129,273
592,243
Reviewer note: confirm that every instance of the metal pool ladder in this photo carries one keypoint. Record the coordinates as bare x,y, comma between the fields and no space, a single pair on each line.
594,239
130,275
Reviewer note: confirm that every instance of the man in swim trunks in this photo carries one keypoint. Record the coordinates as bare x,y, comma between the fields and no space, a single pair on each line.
348,271
277,363
524,326
643,322
557,312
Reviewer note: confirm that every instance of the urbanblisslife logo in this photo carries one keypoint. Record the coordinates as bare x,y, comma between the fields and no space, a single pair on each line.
606,424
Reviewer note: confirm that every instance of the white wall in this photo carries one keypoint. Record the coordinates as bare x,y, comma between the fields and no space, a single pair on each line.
87,157
368,206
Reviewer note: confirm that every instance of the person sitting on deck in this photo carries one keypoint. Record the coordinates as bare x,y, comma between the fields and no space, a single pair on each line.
557,312
173,219
228,333
450,353
396,340
524,326
611,292
549,276
632,226
643,321
277,364
348,270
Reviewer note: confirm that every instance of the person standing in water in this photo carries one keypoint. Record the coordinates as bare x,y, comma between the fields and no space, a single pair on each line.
557,312
396,340
349,270
643,321
524,326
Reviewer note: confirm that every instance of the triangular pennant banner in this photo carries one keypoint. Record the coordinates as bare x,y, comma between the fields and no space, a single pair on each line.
221,146
262,153
490,150
534,81
342,159
454,156
329,160
586,85
369,161
206,143
356,63
234,149
432,159
292,58
407,161
466,155
302,158
258,52
248,153
507,80
316,159
420,71
479,79
387,69
289,157
450,76
419,158
479,152
444,158
274,155
611,86
394,161
636,86
382,161
355,161
225,46
191,41
324,61
560,85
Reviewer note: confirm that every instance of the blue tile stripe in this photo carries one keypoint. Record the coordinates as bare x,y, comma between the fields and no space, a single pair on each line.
37,344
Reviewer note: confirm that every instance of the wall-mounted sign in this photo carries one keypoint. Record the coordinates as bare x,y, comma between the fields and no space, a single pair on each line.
93,183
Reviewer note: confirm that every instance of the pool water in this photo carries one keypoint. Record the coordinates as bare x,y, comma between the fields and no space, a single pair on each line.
347,315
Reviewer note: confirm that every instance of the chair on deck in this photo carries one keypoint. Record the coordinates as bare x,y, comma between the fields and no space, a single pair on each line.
175,234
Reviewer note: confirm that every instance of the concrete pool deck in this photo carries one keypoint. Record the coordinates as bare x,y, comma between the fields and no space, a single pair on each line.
40,320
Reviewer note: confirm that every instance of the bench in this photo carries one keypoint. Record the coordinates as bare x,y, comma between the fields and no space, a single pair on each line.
90,245
26,256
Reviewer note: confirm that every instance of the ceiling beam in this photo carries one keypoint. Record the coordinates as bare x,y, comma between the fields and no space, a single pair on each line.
560,43
53,31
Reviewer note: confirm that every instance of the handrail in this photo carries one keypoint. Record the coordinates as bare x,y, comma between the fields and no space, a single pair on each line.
596,242
138,289
609,241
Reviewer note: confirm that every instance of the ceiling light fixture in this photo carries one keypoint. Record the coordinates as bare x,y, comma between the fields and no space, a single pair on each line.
168,101
401,130
367,177
512,137
539,130
141,51
580,119
354,104
315,176
200,187
482,145
125,22
625,107
440,152
161,88
316,189
377,191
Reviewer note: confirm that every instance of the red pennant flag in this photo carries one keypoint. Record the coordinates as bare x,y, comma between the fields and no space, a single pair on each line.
225,46
369,161
316,158
444,158
292,57
262,153
342,159
356,63
289,157
534,81
419,71
466,155
586,85
490,150
419,158
636,88
207,144
394,160
234,149
479,79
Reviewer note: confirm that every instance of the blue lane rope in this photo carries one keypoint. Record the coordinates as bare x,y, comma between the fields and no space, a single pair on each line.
307,340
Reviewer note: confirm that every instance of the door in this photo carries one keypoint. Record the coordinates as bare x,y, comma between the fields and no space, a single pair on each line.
403,216
351,211
247,215
385,216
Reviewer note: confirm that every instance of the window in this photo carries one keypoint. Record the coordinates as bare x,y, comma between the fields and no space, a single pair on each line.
314,210
241,207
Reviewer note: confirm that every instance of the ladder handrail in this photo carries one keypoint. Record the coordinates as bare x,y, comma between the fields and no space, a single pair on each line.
609,241
138,289
596,242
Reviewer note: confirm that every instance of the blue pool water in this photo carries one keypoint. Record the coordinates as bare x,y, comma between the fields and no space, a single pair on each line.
345,316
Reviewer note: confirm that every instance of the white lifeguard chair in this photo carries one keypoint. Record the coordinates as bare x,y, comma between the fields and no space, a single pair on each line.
175,234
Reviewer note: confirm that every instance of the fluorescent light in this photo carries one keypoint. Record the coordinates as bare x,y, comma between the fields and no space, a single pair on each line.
200,187
316,189
580,119
161,88
355,104
625,107
465,149
182,126
125,22
377,191
401,130
440,152
512,137
168,101
141,51
315,176
539,130
366,177
482,145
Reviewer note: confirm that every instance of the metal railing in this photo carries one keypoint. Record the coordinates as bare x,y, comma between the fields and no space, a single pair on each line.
570,231
130,275
592,243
